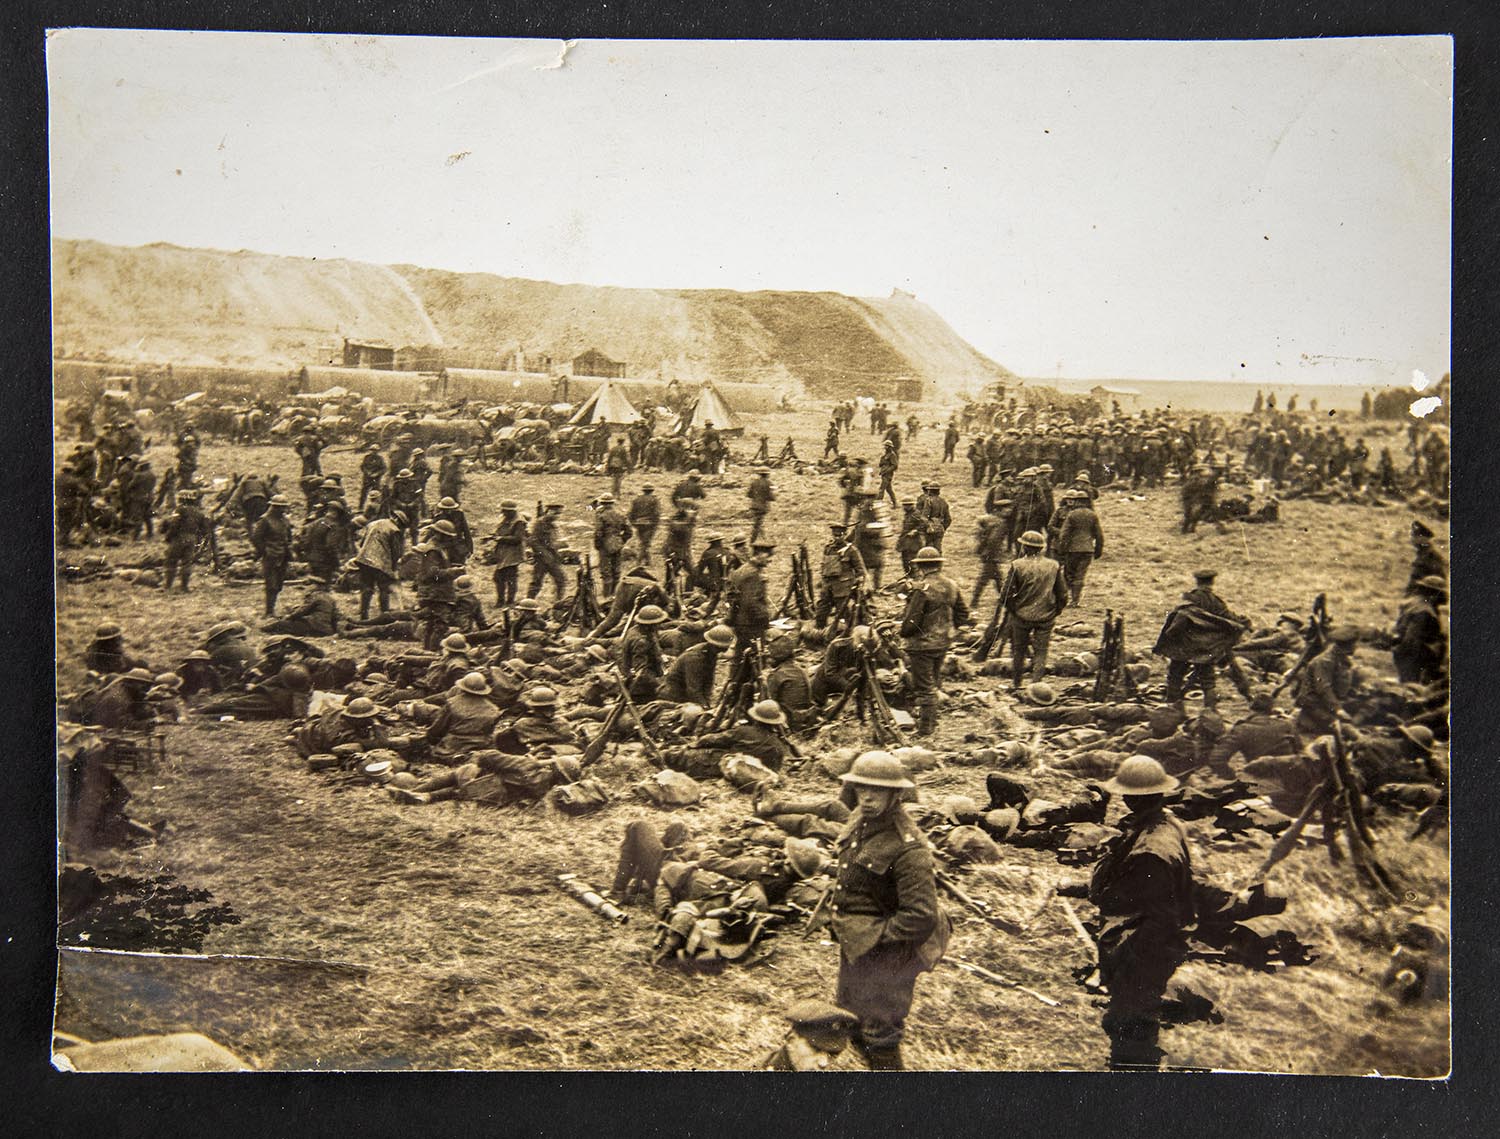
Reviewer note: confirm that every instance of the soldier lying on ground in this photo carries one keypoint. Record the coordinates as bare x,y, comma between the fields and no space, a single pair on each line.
516,779
282,697
758,736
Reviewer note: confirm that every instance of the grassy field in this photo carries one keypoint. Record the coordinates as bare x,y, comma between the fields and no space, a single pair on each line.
435,937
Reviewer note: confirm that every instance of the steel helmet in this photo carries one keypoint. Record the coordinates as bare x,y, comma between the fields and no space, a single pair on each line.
878,769
1141,775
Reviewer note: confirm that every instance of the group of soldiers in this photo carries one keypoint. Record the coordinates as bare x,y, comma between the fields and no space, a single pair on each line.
700,659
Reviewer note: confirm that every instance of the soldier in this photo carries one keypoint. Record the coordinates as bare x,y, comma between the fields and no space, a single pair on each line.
433,577
509,553
1038,594
1144,890
1326,682
909,541
842,665
691,677
933,609
317,616
713,570
761,494
1421,650
760,736
1080,539
831,440
371,471
546,563
139,487
788,683
950,440
853,482
617,465
229,651
379,555
106,652
640,583
325,540
644,518
187,456
885,912
817,1040
870,530
890,460
935,515
1263,732
749,607
467,722
185,530
1198,636
271,538
448,510
641,661
677,550
451,478
1199,498
611,531
842,574
282,697
979,461
309,448
1425,561
689,492
538,728
991,544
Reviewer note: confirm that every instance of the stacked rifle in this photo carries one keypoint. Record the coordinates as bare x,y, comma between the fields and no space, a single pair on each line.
744,686
1113,676
583,607
1316,636
869,702
799,587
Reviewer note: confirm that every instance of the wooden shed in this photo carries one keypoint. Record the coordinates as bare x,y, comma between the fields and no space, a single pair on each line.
373,354
595,363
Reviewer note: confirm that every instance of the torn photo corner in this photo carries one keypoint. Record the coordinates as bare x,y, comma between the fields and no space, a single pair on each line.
934,553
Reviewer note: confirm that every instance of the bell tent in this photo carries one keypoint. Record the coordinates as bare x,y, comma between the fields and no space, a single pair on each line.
608,404
710,407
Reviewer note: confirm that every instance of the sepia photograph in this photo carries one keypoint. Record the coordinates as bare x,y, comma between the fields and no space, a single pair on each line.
751,555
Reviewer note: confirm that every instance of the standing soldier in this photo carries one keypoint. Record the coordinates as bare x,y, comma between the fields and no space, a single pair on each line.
1425,560
950,440
1080,539
761,494
545,562
933,608
890,460
991,544
510,552
1421,649
713,570
617,464
644,518
1143,887
885,911
677,550
187,456
1200,494
831,440
451,477
749,606
137,499
185,529
325,540
309,448
379,554
271,538
1199,635
1038,594
979,458
406,497
843,572
933,510
909,541
448,510
1325,683
852,483
870,530
610,534
437,597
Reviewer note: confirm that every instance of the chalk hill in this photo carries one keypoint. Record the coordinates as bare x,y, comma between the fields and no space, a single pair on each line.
160,303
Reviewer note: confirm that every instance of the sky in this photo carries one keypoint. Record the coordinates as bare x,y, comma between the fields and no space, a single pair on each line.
1271,211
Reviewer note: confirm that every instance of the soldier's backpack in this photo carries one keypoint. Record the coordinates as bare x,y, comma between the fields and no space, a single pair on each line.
670,789
578,798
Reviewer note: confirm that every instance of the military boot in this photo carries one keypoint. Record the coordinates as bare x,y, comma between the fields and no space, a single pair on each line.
927,720
885,1059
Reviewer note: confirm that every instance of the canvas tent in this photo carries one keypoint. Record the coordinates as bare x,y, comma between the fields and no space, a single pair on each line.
608,404
710,407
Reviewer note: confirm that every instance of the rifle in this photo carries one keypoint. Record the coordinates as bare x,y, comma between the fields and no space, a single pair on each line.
974,905
651,745
1316,638
997,979
997,621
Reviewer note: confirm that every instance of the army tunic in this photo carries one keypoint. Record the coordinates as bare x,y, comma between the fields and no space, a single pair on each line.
887,920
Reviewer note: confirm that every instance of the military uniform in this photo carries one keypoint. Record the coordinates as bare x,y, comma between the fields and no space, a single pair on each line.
935,516
641,662
317,616
888,923
271,537
1038,594
545,560
691,677
184,531
644,518
510,551
749,607
761,495
842,571
610,533
1322,689
933,608
1144,890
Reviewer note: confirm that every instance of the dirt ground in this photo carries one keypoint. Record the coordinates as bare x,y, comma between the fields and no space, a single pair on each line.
378,936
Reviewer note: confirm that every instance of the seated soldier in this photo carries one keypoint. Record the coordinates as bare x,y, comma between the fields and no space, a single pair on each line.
518,778
198,674
690,679
317,616
350,730
641,660
468,608
817,1042
121,703
1274,649
640,583
760,736
1262,732
106,652
456,660
229,649
843,662
788,683
282,697
165,698
538,729
467,722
